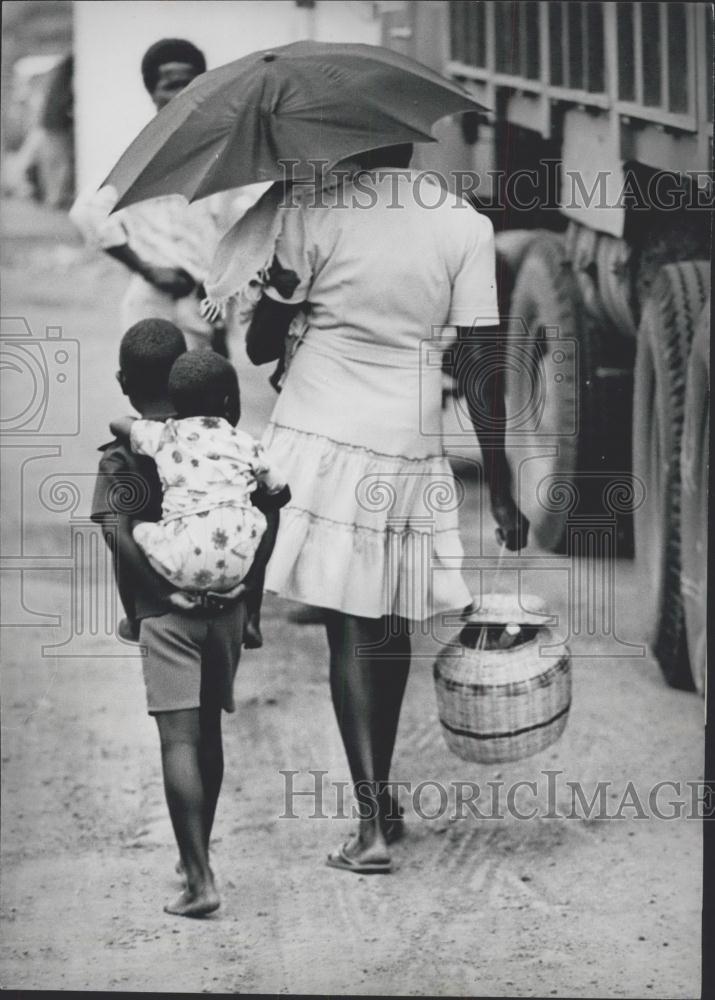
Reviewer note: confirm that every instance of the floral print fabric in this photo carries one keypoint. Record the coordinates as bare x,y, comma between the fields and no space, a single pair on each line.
209,530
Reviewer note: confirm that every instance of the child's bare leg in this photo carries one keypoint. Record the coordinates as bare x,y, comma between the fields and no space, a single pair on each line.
253,639
252,635
210,764
179,733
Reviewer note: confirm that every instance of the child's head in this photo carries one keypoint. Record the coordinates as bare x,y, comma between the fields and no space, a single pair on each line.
204,384
146,354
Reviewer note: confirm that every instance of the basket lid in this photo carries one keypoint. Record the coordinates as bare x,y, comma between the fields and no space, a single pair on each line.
508,609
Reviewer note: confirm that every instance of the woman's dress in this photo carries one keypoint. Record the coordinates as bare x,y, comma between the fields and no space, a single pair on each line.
372,528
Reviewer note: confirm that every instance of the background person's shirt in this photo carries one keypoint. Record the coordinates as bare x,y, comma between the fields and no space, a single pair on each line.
164,232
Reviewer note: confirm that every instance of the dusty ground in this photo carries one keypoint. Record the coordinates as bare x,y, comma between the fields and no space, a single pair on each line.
493,907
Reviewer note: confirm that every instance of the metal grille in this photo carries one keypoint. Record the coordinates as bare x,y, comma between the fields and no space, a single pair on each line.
516,33
626,62
467,19
709,59
654,58
557,48
576,46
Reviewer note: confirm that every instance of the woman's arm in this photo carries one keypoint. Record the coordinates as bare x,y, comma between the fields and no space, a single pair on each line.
480,349
174,281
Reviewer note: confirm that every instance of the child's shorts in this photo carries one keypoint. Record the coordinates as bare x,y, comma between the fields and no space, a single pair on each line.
191,658
208,551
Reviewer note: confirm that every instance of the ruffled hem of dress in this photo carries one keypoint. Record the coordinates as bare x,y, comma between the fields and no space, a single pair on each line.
366,533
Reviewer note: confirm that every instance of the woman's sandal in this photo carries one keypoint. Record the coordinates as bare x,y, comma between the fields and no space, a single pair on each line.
339,859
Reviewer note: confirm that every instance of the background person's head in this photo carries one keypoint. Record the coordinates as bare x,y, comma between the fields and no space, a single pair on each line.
204,384
146,355
170,65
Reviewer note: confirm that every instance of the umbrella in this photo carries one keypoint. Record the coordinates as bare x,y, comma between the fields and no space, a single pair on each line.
302,102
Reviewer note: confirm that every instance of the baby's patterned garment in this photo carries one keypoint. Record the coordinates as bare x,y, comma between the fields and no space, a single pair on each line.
209,530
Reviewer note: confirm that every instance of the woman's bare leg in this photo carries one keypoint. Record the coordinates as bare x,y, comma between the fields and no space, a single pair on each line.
180,735
367,690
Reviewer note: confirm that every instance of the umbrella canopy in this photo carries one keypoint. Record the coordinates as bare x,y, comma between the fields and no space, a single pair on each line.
301,102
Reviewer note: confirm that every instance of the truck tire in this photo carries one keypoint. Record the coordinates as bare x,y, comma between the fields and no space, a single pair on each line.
664,337
694,503
581,249
614,259
549,374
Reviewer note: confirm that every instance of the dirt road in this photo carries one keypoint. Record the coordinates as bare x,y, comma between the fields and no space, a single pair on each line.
560,907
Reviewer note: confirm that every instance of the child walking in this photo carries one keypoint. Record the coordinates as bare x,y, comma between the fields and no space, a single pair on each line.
192,648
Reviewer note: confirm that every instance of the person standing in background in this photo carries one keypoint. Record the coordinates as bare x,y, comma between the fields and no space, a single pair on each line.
165,243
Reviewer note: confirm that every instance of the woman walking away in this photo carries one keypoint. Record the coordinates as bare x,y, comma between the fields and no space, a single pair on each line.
371,533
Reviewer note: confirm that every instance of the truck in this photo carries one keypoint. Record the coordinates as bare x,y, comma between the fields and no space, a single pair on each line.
593,163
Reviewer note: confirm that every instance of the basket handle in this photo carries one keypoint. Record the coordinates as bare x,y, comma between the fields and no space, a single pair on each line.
482,640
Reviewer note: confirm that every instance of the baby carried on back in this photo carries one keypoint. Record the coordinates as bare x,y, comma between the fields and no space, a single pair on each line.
209,530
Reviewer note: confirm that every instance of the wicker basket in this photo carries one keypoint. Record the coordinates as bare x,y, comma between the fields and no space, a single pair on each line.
503,704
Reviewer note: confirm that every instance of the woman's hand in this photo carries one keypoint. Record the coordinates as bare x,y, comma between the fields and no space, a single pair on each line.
513,526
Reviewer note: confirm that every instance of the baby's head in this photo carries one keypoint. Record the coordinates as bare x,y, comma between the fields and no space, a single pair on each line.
146,354
204,384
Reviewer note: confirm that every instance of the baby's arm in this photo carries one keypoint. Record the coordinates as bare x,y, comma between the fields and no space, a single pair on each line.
266,473
145,436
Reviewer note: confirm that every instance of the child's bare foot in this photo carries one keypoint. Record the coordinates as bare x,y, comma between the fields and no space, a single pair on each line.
252,636
197,903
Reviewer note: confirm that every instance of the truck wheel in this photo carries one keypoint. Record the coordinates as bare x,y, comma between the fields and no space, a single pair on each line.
694,502
582,248
615,283
664,337
544,372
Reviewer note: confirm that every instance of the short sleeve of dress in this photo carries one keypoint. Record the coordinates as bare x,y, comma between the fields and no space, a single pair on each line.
474,289
145,437
293,254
